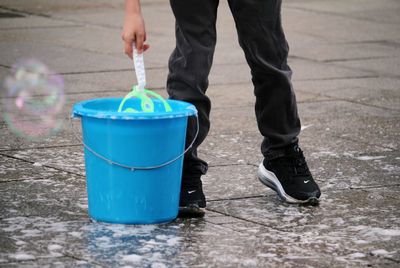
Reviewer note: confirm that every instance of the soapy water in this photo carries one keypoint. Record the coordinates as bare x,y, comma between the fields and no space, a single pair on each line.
33,98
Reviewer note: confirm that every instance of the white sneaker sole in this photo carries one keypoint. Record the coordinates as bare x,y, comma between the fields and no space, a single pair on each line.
269,179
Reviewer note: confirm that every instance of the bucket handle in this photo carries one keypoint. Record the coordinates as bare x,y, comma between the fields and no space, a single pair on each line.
133,168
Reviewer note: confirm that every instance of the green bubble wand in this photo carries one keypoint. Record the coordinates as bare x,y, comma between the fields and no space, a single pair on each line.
139,91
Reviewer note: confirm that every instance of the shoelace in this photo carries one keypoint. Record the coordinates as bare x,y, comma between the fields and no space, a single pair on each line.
300,167
297,163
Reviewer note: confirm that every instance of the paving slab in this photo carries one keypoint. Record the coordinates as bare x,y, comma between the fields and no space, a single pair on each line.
225,121
231,182
48,262
157,14
242,95
31,22
309,70
88,38
60,59
113,79
68,159
12,169
63,196
330,27
121,79
81,37
65,137
379,91
160,34
343,6
357,233
383,66
185,244
333,203
383,98
101,82
24,233
340,52
372,125
383,11
318,86
50,7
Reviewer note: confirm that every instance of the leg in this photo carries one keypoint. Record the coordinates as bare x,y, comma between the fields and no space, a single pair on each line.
261,36
284,168
189,67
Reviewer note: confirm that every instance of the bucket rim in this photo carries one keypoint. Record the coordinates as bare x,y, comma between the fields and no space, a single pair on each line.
79,109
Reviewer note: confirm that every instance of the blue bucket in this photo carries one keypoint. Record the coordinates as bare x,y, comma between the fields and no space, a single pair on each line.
133,160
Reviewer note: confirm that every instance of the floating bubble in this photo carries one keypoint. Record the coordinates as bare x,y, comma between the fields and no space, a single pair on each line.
33,100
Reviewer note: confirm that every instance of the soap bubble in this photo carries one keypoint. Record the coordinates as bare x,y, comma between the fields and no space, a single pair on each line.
33,100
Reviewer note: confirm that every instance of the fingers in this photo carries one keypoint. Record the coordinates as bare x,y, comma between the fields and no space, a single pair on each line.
139,42
128,48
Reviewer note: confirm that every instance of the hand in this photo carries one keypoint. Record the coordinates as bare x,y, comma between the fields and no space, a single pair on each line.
134,32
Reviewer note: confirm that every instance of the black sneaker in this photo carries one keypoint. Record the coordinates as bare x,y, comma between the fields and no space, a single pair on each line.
287,173
192,201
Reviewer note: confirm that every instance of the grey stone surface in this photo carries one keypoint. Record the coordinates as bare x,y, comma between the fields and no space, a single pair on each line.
384,66
69,159
309,228
378,91
344,55
62,195
382,11
13,169
242,95
372,125
241,182
63,138
48,262
52,7
332,28
13,24
60,59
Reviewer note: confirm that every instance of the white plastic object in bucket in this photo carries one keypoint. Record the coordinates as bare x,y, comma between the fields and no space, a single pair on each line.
139,91
133,160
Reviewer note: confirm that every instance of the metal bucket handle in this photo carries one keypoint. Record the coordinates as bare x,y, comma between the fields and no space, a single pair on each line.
133,168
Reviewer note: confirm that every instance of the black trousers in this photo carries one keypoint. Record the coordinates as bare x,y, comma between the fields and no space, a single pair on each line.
260,33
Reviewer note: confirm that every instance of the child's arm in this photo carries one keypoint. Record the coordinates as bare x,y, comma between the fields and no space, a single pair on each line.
133,30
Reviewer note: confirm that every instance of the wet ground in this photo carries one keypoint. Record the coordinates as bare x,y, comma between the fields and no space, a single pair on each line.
345,56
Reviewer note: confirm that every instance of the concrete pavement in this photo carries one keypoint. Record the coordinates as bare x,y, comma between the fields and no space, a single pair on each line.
345,56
